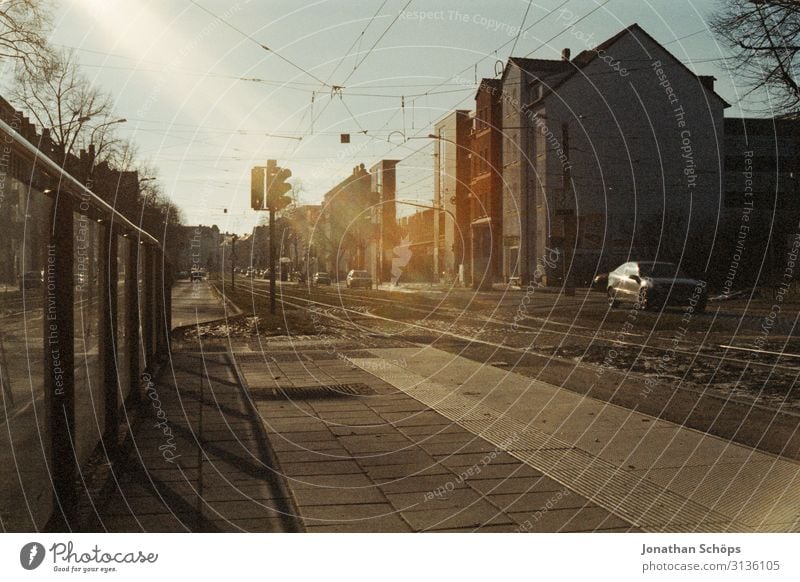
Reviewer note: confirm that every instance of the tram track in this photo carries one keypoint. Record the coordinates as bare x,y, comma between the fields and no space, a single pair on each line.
660,347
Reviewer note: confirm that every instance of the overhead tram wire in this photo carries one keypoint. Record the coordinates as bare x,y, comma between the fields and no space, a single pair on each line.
545,43
310,110
446,81
519,31
360,62
256,42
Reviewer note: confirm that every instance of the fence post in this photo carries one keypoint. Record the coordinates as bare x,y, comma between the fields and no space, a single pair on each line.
59,364
132,314
109,306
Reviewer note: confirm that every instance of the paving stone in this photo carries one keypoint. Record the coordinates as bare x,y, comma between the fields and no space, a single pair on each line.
477,459
386,524
537,501
513,485
434,500
384,473
408,456
416,484
583,519
353,513
239,509
328,496
474,516
251,525
321,468
356,481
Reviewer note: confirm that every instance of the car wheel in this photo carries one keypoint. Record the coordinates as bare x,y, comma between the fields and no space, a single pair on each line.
613,302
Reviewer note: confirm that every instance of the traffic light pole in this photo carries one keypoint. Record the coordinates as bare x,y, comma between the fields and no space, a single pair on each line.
268,184
272,261
233,263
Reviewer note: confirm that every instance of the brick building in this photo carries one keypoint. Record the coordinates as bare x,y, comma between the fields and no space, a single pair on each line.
486,184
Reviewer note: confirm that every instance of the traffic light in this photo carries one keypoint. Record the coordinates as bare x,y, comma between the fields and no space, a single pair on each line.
258,180
277,187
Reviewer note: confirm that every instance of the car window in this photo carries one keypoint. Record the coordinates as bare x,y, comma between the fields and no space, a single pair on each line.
666,270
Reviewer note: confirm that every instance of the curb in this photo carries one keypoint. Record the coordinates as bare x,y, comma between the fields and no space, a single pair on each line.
290,514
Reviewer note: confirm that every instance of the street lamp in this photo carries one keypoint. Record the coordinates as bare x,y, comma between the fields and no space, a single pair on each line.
92,150
112,122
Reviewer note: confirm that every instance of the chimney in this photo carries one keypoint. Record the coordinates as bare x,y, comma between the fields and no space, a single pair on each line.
707,81
565,54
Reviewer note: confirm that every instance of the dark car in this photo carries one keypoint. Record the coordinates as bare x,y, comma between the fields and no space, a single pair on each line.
358,279
600,282
322,278
197,275
31,280
653,284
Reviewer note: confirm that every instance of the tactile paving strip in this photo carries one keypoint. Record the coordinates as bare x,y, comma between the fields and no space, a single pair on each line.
631,497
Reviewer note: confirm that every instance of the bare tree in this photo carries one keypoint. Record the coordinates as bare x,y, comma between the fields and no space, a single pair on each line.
23,30
765,38
62,100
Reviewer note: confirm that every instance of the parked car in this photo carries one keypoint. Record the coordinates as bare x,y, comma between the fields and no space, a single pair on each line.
31,280
183,275
322,278
358,279
600,282
652,284
197,275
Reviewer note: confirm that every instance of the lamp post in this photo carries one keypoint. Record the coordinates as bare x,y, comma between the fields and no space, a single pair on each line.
93,151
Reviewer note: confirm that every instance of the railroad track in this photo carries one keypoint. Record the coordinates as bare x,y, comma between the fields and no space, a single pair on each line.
646,344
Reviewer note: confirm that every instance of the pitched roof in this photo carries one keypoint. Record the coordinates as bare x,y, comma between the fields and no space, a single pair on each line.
584,58
488,84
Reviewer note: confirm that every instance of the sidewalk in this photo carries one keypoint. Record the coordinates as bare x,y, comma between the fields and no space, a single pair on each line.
359,455
197,460
324,436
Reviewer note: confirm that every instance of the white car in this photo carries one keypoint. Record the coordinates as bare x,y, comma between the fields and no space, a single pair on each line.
653,283
358,279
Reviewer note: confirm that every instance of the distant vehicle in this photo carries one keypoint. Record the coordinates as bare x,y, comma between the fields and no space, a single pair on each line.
183,275
31,280
600,282
651,284
197,275
322,278
358,279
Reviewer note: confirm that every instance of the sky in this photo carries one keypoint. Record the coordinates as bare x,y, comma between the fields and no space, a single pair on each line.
205,100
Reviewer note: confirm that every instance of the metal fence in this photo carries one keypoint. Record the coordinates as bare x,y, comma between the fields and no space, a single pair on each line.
84,310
